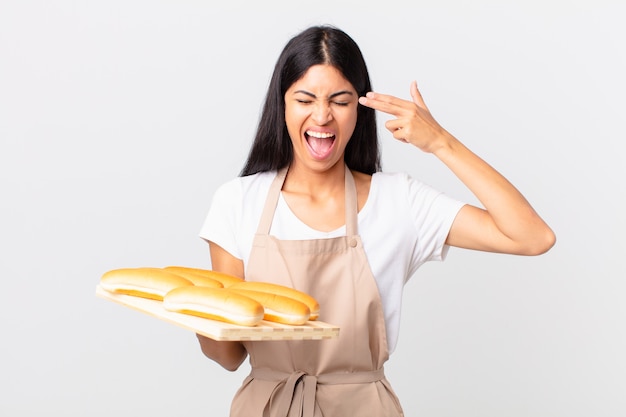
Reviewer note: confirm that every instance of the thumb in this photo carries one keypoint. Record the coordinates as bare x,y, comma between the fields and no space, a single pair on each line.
416,96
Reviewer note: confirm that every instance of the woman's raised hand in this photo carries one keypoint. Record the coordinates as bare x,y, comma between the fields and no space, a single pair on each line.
413,121
507,223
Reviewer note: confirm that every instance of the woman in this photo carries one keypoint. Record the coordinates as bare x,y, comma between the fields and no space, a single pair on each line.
312,210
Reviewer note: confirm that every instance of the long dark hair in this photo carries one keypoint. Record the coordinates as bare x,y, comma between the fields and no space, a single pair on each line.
272,148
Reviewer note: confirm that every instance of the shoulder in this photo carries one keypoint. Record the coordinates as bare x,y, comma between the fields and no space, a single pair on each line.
391,177
234,210
392,183
401,183
385,185
242,187
404,192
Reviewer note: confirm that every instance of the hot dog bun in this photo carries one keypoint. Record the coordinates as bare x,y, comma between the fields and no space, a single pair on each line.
226,279
146,282
278,308
282,290
196,278
214,303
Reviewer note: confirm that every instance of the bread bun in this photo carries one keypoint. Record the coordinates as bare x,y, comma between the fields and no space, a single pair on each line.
196,278
146,282
282,290
214,303
278,308
226,279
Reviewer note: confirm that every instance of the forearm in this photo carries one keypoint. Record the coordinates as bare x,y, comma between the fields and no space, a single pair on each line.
507,223
229,355
508,219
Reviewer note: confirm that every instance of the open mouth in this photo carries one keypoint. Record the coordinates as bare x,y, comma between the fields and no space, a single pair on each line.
320,143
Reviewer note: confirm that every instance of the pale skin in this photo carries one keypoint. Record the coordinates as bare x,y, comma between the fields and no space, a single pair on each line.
323,100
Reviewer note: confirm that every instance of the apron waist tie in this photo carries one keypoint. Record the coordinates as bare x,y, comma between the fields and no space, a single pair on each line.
309,385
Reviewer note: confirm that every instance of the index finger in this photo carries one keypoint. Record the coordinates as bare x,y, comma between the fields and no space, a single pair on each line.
385,103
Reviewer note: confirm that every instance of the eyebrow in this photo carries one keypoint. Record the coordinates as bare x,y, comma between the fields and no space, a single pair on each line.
333,95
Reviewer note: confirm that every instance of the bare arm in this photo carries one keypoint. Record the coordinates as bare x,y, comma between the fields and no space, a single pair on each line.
229,355
507,223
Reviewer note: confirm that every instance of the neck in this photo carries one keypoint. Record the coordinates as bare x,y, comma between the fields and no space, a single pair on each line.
302,180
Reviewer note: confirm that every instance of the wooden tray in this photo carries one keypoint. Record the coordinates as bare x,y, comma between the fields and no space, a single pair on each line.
266,330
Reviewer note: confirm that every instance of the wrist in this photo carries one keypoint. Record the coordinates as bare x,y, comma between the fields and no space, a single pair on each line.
445,146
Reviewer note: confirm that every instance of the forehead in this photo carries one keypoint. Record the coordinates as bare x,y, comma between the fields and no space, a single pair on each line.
321,79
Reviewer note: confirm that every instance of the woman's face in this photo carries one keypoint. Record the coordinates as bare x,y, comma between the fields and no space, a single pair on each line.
321,114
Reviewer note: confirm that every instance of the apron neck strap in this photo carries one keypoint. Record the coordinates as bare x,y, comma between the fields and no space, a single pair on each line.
274,193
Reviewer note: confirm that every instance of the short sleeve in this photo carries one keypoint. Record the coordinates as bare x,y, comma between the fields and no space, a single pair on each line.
433,213
223,219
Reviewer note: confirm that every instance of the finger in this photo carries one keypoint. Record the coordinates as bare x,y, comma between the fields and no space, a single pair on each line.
391,100
417,96
385,103
393,125
400,134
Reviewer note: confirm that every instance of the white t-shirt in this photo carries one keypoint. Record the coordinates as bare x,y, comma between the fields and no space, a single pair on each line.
403,224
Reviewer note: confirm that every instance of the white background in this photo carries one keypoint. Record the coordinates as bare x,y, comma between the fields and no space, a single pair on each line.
118,120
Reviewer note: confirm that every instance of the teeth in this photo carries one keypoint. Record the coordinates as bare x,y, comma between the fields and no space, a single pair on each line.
319,135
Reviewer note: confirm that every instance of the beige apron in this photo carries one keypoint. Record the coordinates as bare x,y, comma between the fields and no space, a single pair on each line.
313,378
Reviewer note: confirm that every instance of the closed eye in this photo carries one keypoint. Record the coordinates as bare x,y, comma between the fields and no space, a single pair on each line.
330,98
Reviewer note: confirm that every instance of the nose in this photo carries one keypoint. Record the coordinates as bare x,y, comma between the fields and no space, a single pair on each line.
321,113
